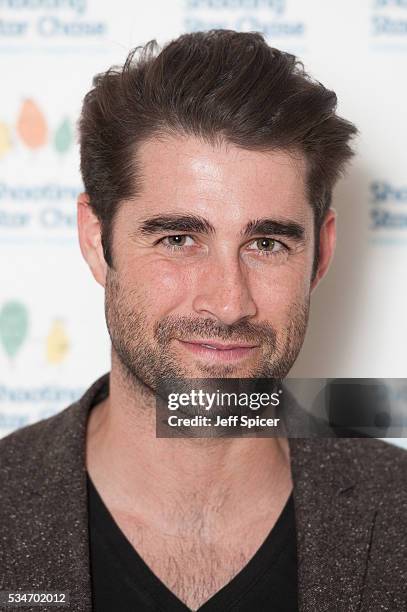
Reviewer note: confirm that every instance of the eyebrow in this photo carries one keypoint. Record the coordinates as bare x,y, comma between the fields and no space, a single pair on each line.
287,228
193,223
175,223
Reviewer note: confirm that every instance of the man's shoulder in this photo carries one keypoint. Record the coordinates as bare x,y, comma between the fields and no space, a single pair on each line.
35,431
26,447
52,439
378,463
47,451
43,500
370,453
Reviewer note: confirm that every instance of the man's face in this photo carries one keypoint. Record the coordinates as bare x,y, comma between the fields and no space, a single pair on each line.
216,252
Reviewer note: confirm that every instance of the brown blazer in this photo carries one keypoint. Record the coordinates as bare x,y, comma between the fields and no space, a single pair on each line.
350,499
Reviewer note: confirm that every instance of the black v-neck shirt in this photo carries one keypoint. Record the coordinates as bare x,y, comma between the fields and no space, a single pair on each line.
123,582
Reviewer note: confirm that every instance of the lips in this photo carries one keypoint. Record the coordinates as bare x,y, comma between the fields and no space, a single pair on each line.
217,352
217,346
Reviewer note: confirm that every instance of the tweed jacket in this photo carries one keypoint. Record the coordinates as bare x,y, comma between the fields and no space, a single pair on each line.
350,500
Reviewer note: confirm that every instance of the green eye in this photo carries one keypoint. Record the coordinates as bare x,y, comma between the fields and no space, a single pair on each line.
268,247
176,240
265,244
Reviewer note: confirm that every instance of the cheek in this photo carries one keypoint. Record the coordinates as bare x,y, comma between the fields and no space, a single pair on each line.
280,292
163,286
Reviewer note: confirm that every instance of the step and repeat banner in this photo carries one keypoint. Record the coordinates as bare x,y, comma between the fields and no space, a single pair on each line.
53,338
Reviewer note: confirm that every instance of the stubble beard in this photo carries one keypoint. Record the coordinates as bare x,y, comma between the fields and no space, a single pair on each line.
147,364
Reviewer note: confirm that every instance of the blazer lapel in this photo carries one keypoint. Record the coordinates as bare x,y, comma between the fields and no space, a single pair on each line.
335,521
51,526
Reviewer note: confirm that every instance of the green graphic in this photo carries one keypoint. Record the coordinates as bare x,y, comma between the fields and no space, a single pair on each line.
13,326
63,136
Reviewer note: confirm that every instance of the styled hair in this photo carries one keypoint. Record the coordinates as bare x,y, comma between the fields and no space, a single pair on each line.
218,85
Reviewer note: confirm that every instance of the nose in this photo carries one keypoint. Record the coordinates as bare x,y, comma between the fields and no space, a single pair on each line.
224,292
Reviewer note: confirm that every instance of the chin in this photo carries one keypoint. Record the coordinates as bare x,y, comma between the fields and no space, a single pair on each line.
222,372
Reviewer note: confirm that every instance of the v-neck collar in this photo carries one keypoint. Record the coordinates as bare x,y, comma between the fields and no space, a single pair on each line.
106,528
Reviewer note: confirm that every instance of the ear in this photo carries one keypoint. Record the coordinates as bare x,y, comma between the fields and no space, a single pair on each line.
90,239
327,241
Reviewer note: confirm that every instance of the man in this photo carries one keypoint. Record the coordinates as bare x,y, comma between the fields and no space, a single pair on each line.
208,172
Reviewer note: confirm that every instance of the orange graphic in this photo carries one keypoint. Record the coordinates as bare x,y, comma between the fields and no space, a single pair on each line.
31,125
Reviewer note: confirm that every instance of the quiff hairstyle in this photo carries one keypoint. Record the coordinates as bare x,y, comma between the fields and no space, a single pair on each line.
218,85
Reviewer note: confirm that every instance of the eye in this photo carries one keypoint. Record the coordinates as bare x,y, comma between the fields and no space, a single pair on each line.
177,242
268,247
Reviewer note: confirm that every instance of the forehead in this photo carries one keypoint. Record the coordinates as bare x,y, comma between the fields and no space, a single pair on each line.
184,174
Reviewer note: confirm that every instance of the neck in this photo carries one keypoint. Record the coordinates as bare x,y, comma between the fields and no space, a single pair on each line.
168,481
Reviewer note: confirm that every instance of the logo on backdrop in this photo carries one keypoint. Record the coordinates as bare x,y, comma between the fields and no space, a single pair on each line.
271,17
46,25
37,209
54,348
388,24
32,130
38,212
388,212
20,405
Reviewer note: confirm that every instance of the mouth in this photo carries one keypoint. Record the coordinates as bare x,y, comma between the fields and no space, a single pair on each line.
219,352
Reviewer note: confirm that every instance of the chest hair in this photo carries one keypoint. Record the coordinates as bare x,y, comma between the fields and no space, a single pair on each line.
191,565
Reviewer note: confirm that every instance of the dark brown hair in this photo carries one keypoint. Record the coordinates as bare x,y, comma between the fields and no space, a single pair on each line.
218,85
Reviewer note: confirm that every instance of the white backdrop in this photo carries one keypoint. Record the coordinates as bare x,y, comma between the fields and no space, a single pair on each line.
53,338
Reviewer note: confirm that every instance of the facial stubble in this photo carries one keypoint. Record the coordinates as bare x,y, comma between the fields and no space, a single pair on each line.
144,348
